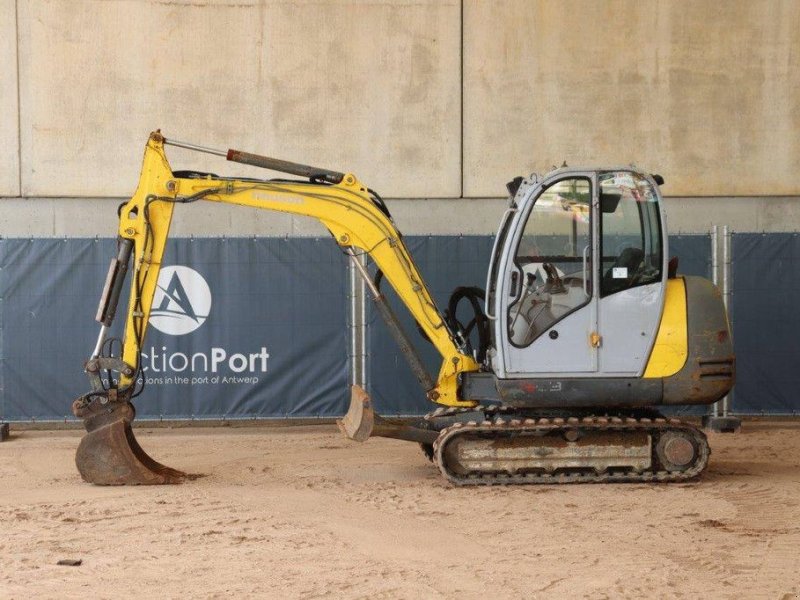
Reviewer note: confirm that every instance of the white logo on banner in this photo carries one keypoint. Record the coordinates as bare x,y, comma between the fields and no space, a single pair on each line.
181,304
182,301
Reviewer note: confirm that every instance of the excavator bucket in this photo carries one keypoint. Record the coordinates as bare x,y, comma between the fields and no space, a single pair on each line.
110,455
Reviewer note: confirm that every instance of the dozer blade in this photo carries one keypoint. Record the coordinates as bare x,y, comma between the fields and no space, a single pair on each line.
357,424
361,422
110,455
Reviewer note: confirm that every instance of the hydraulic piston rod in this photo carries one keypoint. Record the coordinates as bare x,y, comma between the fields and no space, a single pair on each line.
265,162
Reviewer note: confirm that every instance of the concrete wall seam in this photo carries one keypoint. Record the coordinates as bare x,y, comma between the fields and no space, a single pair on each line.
19,104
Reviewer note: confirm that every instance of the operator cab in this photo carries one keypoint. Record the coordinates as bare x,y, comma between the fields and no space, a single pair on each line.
578,275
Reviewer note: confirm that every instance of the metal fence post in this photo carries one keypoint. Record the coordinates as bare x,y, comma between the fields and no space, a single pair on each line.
726,295
715,279
723,423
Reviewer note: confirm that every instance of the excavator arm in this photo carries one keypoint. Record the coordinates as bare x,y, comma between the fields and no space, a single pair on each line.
109,453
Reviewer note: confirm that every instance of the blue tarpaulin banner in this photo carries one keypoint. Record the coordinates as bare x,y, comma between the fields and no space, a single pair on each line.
240,328
765,310
258,327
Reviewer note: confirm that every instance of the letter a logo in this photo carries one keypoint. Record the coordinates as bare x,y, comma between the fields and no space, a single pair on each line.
182,301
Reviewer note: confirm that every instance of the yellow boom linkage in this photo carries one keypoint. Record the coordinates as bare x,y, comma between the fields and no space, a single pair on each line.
345,208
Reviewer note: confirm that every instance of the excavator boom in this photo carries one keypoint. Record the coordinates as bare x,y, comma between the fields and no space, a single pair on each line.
355,217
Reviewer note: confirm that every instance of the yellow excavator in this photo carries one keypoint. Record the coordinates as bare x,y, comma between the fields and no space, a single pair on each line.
583,330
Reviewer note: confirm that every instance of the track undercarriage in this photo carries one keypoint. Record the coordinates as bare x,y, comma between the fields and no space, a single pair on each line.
497,445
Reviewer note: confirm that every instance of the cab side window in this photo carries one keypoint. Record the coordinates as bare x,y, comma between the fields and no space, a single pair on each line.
630,242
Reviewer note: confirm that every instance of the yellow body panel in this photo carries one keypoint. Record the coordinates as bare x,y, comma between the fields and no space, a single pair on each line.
671,347
345,209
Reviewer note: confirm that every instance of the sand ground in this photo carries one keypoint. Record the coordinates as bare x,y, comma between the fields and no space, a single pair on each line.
302,513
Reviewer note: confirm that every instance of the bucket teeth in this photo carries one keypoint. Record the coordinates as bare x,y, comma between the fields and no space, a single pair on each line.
110,455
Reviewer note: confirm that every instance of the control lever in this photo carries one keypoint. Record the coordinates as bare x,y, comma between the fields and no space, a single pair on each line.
530,279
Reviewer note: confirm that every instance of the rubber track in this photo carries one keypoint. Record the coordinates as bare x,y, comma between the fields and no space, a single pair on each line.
508,427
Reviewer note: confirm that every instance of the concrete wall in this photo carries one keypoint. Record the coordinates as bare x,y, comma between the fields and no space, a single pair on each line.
370,87
706,93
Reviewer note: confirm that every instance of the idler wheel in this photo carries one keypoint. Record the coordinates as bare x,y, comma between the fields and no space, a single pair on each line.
676,451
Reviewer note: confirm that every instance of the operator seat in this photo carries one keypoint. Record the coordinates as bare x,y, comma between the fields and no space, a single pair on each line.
630,258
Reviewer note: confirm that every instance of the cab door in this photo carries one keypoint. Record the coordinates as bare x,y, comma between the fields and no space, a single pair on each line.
546,302
632,274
